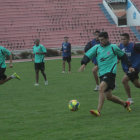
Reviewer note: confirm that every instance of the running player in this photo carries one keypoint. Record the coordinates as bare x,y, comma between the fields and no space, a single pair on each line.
3,78
106,55
134,57
66,54
39,52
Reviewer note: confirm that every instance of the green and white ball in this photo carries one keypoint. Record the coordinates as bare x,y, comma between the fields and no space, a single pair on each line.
74,105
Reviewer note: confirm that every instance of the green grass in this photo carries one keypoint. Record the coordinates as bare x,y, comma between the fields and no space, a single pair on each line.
41,113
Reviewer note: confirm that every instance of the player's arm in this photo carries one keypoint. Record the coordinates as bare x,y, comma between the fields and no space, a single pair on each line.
121,55
7,52
87,57
33,55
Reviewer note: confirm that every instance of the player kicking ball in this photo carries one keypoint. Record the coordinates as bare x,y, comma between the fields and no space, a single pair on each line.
3,78
106,56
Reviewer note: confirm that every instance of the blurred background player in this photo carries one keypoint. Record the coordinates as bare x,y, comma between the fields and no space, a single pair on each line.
106,55
39,52
89,45
66,54
133,53
3,78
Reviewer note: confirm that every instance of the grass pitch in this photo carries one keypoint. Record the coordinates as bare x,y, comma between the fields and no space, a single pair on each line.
41,113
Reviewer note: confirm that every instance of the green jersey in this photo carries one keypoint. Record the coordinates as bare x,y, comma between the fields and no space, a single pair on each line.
106,57
3,53
39,58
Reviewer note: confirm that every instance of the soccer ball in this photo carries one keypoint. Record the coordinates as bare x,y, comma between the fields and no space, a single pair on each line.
74,105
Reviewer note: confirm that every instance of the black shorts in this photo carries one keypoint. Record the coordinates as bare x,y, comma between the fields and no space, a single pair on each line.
2,74
133,75
68,59
40,66
109,78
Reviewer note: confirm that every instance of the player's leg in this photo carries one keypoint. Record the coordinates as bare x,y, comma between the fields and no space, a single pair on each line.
135,79
136,82
125,82
103,87
45,77
37,73
117,100
95,74
113,98
2,81
42,68
3,77
69,63
37,77
63,64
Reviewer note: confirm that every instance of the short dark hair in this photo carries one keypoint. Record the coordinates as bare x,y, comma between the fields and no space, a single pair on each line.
126,35
97,31
104,34
37,40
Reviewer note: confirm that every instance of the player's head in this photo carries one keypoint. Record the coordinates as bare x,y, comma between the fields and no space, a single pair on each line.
66,39
96,34
37,41
104,38
125,38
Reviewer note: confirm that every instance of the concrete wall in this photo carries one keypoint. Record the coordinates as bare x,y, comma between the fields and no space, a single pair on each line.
114,17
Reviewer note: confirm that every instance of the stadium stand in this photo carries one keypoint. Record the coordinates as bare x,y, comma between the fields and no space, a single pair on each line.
137,4
21,22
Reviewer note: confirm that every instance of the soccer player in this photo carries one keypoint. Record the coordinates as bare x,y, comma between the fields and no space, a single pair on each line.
3,78
134,57
89,45
106,56
66,54
39,52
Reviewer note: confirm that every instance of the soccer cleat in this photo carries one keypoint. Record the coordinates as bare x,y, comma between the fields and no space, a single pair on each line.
96,88
95,113
127,106
36,84
46,83
130,100
16,76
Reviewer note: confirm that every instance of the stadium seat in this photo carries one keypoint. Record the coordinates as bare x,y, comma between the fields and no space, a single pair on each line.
25,20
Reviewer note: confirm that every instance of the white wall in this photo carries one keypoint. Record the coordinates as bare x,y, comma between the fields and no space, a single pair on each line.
110,12
133,15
